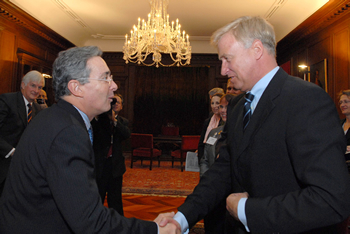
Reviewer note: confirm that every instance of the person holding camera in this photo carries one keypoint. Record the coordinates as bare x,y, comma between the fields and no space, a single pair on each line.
110,129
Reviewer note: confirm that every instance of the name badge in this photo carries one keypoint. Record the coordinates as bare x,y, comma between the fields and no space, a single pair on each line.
211,140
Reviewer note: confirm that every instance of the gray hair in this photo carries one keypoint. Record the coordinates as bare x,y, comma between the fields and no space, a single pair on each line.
33,76
246,29
71,64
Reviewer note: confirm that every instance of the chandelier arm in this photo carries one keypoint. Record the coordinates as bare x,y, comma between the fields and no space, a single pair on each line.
156,36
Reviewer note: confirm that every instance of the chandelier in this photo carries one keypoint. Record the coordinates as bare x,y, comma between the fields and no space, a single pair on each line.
157,36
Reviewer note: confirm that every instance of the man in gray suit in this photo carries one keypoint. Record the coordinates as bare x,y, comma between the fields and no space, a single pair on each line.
14,117
51,186
282,169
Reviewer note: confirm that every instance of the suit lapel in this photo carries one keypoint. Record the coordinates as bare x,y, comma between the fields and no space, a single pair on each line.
21,108
263,109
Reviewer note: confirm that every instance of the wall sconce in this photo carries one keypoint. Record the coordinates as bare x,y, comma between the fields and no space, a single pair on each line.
306,70
46,76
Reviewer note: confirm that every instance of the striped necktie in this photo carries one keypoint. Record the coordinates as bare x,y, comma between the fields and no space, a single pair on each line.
247,112
29,116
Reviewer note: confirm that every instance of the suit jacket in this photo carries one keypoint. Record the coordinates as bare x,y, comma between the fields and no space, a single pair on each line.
13,121
201,145
51,186
289,159
347,137
210,154
103,130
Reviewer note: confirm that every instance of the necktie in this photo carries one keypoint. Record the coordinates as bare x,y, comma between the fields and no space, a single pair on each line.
247,112
91,135
29,116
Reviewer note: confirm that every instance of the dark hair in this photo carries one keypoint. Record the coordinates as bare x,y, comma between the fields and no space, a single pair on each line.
71,64
228,97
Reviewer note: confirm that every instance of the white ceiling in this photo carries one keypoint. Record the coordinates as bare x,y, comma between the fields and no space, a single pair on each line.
105,22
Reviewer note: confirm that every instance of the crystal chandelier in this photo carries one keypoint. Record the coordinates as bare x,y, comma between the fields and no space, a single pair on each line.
157,36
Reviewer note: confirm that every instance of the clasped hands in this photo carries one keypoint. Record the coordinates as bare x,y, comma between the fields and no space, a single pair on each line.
167,224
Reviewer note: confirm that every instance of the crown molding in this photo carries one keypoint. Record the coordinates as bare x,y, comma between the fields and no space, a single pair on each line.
14,14
325,16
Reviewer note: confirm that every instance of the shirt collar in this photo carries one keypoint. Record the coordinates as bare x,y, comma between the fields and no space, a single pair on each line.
259,88
25,100
85,118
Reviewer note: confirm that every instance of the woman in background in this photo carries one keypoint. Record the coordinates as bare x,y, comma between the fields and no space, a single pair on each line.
211,148
344,104
212,122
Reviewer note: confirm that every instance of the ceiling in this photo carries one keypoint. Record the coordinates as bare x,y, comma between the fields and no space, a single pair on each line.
105,22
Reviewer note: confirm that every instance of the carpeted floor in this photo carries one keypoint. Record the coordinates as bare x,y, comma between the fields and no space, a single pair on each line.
147,193
163,180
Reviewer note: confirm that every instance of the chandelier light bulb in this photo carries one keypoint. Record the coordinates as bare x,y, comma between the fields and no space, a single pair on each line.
155,37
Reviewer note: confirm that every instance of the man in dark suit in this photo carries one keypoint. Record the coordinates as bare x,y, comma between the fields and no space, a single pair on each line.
51,187
110,129
14,117
284,172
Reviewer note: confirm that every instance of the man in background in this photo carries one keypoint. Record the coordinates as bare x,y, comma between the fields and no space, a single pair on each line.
231,89
42,99
110,129
51,186
282,169
16,111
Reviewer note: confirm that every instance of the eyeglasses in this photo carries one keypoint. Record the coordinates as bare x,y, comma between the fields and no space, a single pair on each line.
108,79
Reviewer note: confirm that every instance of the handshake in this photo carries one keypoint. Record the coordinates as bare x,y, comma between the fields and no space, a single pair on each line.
167,224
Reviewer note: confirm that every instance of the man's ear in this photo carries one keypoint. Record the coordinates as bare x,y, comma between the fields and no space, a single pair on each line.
74,87
22,85
258,49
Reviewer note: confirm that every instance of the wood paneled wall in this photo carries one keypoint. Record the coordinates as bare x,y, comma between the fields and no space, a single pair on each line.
25,44
325,35
125,75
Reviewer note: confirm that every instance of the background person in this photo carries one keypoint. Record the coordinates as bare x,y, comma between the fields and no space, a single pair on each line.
14,117
344,103
212,122
51,186
42,99
110,129
283,172
231,89
214,222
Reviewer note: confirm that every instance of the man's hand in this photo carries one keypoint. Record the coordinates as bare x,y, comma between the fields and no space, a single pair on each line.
232,203
170,228
164,219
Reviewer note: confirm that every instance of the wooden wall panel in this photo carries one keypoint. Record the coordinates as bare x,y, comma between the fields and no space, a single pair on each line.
32,48
26,44
341,60
318,51
7,59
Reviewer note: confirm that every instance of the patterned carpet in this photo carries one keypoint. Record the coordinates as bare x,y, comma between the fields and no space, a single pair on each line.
147,193
163,180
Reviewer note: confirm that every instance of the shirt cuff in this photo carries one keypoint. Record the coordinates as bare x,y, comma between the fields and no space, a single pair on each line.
241,212
181,219
9,154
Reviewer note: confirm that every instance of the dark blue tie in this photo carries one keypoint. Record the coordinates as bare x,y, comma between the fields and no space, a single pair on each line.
91,135
247,112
